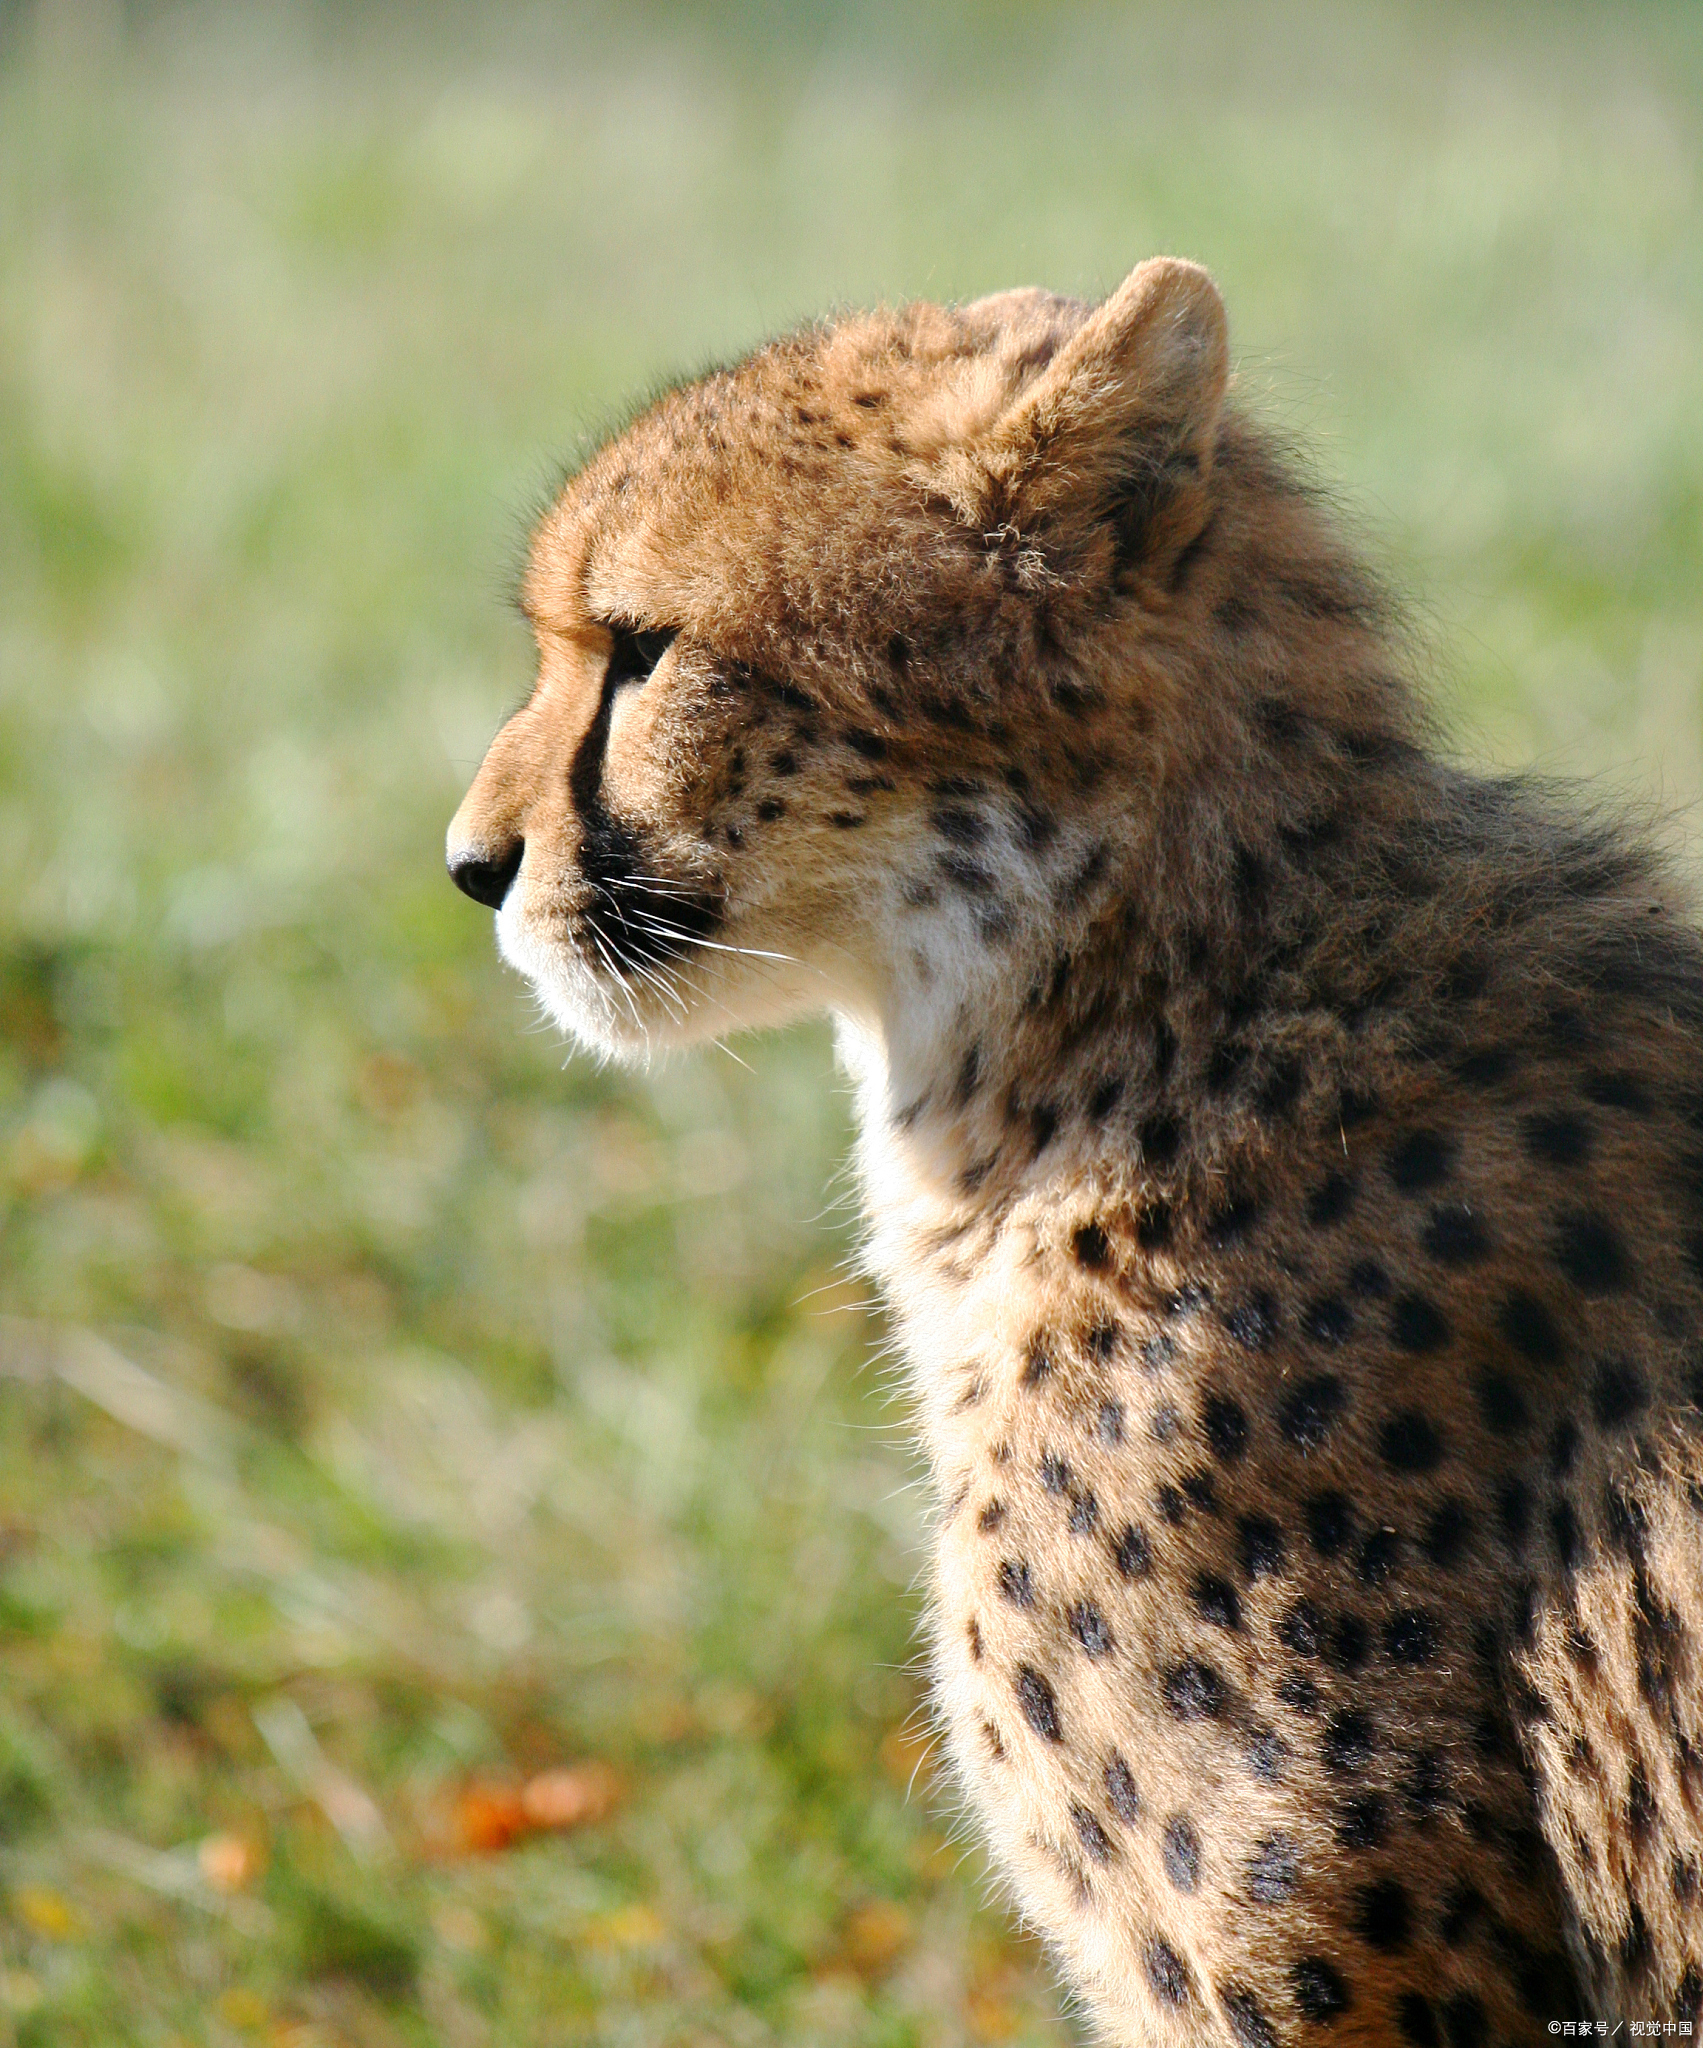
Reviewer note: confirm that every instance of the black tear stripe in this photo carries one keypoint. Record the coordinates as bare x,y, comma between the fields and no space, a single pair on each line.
636,922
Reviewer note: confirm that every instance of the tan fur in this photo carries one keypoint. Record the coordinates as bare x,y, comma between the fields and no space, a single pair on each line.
1283,1152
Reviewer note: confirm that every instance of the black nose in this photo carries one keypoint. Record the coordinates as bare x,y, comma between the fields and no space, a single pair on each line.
484,876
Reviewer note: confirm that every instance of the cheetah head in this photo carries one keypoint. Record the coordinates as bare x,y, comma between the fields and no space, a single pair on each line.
838,650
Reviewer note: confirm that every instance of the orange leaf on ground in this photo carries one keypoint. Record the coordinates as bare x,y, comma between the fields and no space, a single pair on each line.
229,1863
875,1935
574,1797
488,1817
490,1814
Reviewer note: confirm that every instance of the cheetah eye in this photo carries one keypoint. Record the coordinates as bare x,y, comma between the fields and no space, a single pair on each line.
635,654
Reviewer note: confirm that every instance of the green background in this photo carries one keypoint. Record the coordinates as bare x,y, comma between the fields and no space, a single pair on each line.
386,1398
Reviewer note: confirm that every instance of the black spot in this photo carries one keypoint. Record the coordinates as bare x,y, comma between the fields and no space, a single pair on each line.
1421,1160
1092,1836
1564,1527
1501,1404
1160,1137
1618,1091
1157,1352
1513,1509
1273,1870
1455,1236
1426,1784
1417,1324
1201,1493
1377,1559
1281,1089
1530,1328
847,821
1448,1534
1084,1515
1331,1200
1171,1505
1224,1063
770,809
1362,1823
1090,1630
1640,1803
1035,828
1262,1547
1557,1137
1132,1554
1249,2025
1090,1247
1167,1973
1415,2019
991,1517
1627,1526
1193,1691
1484,1068
1104,1099
1411,1442
1120,1790
1252,1322
1348,1742
1688,1999
1111,1422
1319,1990
1330,1522
870,745
1590,1253
1103,1340
1234,1220
1347,1644
962,827
1055,1473
1040,1707
1310,1409
1411,1636
1153,1226
969,875
1225,1425
1266,1754
1355,1107
1015,1583
1215,1601
1300,1695
969,1076
1038,1365
1180,1845
1563,1446
1328,1320
1618,1392
1369,1281
1302,1629
1463,2021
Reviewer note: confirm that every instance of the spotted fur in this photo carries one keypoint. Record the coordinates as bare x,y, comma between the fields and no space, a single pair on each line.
1283,1150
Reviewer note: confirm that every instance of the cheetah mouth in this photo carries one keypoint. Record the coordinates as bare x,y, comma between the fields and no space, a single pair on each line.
636,919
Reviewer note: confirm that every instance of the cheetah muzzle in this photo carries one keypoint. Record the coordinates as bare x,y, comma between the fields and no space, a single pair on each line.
1282,1150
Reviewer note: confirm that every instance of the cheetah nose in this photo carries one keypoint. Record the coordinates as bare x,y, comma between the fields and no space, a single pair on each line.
485,873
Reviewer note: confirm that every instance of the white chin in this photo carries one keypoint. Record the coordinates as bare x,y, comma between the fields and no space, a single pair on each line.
607,1016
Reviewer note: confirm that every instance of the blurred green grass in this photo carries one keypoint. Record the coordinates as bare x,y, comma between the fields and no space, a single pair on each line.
384,1402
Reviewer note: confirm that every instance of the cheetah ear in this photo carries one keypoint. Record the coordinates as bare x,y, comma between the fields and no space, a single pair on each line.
1119,428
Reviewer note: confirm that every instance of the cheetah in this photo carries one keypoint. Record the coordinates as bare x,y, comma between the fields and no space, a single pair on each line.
1282,1149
